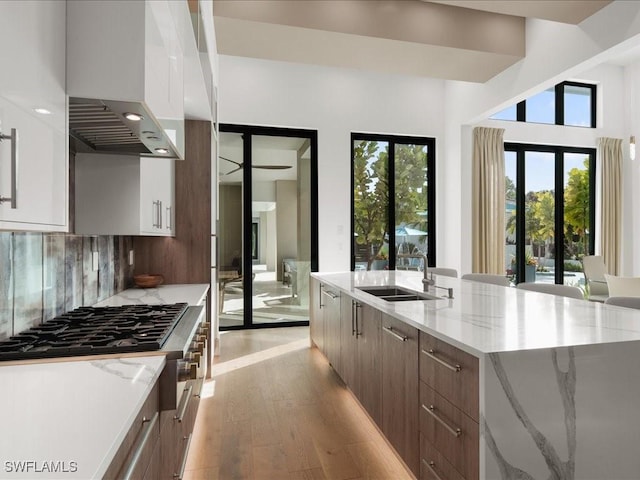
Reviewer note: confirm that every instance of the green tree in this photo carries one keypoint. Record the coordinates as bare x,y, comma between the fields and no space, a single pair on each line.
544,212
576,205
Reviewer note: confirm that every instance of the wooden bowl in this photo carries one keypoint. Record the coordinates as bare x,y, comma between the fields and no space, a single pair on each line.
148,280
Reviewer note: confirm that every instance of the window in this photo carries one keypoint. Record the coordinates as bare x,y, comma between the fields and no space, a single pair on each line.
393,185
549,202
568,103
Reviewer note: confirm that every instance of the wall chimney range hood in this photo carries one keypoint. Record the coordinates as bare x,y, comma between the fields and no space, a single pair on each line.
102,126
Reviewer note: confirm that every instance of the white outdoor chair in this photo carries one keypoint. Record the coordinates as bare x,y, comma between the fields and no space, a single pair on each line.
487,278
623,286
629,302
444,271
553,289
594,269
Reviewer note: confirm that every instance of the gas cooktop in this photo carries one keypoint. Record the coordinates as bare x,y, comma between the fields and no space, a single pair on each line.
95,331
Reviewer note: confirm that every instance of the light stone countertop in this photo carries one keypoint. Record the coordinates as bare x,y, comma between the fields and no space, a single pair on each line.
60,411
70,415
484,318
193,294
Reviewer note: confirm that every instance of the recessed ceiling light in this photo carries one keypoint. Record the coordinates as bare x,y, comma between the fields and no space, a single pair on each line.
42,111
152,137
162,150
133,116
147,132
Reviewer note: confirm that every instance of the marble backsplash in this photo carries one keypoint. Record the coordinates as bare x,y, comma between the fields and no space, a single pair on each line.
43,275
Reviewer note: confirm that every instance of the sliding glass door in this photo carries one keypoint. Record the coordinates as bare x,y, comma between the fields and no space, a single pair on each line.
393,202
268,225
549,212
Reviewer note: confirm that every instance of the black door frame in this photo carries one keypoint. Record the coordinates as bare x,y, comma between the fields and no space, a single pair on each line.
392,140
248,131
520,149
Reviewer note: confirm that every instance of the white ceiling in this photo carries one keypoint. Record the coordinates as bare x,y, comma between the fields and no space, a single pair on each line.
469,40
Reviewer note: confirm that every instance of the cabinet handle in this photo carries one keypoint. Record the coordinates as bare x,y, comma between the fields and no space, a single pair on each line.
353,317
183,464
13,138
358,332
402,338
432,354
430,466
186,396
456,432
155,207
321,292
159,213
168,211
329,294
143,442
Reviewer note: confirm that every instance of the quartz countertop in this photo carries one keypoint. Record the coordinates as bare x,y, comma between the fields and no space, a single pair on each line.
484,318
193,294
70,415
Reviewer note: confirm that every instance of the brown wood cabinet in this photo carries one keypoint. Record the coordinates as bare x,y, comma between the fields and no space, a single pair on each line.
449,410
361,360
316,324
331,323
136,450
400,384
433,465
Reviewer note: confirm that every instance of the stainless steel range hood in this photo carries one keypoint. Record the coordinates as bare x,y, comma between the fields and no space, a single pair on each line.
102,126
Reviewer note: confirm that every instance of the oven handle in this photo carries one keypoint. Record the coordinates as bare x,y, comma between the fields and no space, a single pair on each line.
143,442
183,464
186,396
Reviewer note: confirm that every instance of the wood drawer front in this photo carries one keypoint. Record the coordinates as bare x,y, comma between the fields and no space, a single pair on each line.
133,439
438,427
433,465
439,364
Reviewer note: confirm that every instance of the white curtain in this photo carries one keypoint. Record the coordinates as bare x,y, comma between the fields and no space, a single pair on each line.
610,159
488,201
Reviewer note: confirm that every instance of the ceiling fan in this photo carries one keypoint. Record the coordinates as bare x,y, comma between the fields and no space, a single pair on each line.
264,167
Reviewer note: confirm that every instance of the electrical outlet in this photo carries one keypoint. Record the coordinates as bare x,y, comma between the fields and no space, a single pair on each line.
130,257
95,261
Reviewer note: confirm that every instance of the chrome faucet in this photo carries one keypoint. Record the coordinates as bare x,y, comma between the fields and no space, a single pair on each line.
426,281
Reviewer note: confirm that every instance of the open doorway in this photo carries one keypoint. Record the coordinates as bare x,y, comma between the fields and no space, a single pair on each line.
267,240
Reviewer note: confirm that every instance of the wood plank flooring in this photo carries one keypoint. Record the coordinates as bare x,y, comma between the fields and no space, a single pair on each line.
276,410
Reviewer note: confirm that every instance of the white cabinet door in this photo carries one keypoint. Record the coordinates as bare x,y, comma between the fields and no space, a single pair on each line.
157,196
32,55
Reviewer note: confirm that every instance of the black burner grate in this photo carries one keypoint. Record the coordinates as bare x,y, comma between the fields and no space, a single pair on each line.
96,330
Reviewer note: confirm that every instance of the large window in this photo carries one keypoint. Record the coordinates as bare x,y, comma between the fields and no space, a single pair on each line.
393,203
549,212
568,103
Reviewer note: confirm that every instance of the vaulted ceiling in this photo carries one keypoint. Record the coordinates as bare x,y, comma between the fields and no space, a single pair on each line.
469,40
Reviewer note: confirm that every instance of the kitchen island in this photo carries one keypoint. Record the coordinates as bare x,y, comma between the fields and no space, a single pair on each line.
508,383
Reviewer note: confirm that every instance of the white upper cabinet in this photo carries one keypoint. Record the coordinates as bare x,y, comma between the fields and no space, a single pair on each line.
128,51
124,195
33,164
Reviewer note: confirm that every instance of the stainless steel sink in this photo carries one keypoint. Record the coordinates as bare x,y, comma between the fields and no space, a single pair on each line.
392,293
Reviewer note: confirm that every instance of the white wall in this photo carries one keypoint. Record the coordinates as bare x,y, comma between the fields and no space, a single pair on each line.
335,102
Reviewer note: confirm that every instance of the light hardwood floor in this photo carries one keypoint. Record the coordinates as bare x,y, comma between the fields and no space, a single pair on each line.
276,410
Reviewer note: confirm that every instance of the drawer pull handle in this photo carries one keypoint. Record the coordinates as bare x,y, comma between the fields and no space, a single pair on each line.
186,396
330,294
183,464
431,353
432,411
430,466
402,338
143,442
199,394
